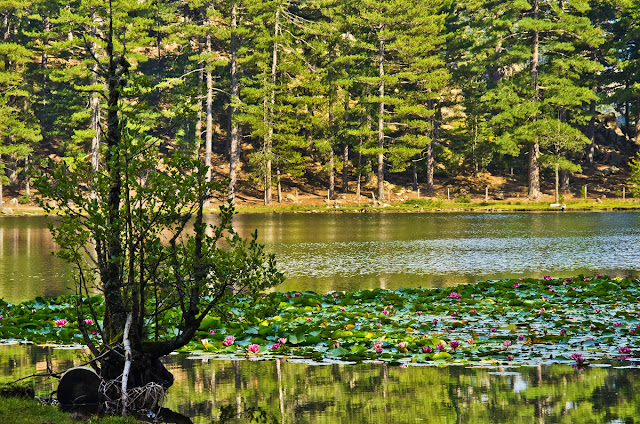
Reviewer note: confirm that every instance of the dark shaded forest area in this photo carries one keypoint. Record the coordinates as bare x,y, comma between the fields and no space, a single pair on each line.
331,95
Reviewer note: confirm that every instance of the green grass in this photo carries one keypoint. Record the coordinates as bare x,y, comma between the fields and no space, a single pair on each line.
28,411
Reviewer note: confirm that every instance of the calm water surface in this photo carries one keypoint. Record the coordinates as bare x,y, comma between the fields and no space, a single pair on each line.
297,393
324,252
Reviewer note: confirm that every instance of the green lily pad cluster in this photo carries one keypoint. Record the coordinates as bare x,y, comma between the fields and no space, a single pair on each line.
579,320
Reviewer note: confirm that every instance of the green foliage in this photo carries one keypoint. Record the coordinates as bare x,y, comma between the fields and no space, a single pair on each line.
523,321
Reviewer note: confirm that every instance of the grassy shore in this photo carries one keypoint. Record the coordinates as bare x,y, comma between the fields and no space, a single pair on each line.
29,411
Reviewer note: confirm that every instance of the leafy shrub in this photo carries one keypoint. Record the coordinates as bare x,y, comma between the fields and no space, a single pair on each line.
24,199
464,199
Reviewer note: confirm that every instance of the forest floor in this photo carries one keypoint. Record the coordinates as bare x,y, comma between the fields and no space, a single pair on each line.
606,188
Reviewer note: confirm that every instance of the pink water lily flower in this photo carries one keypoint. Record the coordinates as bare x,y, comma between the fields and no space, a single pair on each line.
276,346
507,343
624,350
402,347
516,285
440,346
228,341
454,345
282,340
509,357
253,349
427,349
61,322
377,345
88,321
455,295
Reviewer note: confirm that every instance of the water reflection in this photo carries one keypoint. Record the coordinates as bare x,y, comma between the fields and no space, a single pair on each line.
290,392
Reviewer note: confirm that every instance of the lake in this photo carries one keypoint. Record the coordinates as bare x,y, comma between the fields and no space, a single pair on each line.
347,251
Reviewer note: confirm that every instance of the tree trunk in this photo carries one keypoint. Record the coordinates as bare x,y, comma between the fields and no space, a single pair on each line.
208,141
534,171
415,176
272,104
345,168
44,93
198,130
381,121
591,133
557,177
115,310
234,148
332,174
430,186
279,184
534,148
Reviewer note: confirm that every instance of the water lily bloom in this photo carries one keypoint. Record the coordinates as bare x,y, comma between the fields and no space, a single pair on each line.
542,311
470,340
310,319
379,350
473,311
454,345
454,314
275,346
617,324
88,321
548,277
94,332
253,348
598,276
516,285
598,310
509,357
336,295
263,296
632,331
61,322
427,350
377,345
578,358
402,346
624,350
342,309
378,324
434,322
205,343
440,346
296,294
228,341
520,337
282,340
493,330
507,343
455,295
212,331
587,279
521,278
563,331
419,313
385,312
336,345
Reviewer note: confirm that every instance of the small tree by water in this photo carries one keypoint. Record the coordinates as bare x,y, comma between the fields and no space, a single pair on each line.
133,228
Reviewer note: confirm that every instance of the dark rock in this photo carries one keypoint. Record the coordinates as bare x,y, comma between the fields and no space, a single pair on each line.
78,386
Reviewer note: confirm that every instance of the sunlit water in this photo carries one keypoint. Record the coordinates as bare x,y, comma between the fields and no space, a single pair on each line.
324,252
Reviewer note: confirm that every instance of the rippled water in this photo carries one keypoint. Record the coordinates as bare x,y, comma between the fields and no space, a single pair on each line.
346,251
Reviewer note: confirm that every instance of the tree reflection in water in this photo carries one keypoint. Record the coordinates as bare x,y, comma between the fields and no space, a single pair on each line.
294,392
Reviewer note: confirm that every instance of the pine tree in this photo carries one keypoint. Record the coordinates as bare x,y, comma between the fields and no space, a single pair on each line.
535,58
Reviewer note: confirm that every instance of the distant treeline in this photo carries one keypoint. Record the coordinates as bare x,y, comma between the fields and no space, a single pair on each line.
350,87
